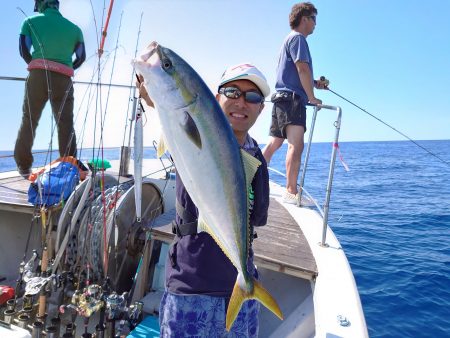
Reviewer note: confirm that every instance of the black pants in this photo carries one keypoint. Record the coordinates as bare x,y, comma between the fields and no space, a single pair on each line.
43,86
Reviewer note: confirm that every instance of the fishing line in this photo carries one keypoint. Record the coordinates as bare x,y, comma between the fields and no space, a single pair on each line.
107,246
132,91
103,119
97,71
99,103
388,125
89,90
95,21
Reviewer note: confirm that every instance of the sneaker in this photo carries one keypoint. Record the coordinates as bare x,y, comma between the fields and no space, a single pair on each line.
25,173
290,198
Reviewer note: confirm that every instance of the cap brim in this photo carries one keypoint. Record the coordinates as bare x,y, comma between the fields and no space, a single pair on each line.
260,83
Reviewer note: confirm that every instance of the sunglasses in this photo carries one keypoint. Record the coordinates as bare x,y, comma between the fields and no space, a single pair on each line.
313,17
235,93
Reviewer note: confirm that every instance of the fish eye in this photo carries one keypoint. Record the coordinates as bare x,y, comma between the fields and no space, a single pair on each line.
167,64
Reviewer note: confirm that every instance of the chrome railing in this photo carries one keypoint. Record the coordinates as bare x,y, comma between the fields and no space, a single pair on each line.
326,206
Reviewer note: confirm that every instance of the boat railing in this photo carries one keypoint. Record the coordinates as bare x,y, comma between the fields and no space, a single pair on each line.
326,206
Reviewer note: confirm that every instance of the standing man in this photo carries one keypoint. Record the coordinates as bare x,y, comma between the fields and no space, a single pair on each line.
294,89
54,40
199,276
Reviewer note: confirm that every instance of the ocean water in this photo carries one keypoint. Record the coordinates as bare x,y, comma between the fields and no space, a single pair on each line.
391,213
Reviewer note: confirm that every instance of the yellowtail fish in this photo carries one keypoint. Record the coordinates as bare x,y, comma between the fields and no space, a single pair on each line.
215,172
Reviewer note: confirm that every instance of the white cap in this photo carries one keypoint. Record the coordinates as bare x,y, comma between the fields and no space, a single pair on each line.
246,71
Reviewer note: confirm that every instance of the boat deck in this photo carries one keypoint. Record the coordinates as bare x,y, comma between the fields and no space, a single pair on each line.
279,246
14,194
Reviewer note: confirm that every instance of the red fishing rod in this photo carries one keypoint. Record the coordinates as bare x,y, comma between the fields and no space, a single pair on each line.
105,29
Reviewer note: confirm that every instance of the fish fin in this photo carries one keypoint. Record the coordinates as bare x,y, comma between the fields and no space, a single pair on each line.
251,165
262,295
161,149
189,126
239,296
201,225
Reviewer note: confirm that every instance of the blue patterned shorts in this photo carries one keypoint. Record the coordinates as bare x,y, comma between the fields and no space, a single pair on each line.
204,316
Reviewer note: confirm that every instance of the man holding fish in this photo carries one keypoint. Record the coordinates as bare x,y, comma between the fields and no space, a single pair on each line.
222,193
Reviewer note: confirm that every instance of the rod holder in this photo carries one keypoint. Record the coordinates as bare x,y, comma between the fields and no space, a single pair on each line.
56,322
11,304
27,301
8,315
71,328
100,331
36,331
52,332
42,319
23,321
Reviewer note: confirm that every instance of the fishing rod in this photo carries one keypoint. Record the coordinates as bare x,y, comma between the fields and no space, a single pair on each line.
131,119
386,124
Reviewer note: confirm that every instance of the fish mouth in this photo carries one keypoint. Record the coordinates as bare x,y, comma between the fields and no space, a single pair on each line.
151,49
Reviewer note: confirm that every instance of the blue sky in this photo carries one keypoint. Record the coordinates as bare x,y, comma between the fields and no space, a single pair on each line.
390,57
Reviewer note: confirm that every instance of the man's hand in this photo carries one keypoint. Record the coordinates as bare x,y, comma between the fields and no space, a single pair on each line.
315,101
143,94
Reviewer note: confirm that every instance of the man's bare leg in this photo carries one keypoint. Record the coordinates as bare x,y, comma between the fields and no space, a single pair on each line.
295,137
272,146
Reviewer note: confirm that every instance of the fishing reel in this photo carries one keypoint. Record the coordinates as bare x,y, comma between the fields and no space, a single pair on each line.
132,315
89,300
26,270
36,285
135,314
116,305
324,81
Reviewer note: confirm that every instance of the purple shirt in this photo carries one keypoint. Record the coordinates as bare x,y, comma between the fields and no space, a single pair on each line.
196,264
295,48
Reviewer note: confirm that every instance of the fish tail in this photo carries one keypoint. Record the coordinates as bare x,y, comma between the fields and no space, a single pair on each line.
259,293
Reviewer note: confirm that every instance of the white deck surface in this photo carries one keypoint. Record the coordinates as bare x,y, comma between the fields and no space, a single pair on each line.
335,292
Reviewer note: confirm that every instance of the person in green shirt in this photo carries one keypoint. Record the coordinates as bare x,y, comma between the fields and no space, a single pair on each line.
47,43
